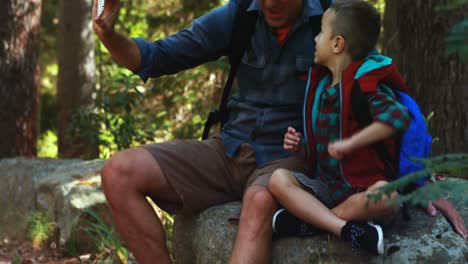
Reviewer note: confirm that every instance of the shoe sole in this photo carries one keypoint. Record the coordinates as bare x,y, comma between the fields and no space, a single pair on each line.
380,243
274,219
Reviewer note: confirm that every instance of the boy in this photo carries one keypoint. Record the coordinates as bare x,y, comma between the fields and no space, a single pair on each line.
347,166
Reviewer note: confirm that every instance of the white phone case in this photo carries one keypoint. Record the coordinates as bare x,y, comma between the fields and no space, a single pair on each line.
100,7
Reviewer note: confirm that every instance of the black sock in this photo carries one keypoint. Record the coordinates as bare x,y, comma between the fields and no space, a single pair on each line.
346,231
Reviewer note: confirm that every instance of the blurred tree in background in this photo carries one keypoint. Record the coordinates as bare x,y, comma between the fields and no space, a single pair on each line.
127,112
416,38
76,77
19,77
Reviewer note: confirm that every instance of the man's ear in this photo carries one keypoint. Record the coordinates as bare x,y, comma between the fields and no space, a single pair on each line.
338,44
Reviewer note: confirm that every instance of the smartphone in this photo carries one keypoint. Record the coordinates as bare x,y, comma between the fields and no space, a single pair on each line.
100,7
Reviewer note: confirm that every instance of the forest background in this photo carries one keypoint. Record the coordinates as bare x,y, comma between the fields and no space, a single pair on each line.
62,96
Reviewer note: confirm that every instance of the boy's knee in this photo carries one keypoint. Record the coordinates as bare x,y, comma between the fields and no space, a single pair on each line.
378,185
279,180
375,188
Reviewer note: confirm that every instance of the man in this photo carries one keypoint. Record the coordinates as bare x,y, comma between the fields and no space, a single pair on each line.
190,175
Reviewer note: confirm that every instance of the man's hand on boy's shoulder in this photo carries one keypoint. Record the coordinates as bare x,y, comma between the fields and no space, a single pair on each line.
292,140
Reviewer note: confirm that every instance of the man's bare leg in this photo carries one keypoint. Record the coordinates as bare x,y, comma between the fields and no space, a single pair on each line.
253,242
127,178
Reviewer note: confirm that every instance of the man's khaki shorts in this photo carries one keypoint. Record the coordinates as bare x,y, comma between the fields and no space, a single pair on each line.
202,175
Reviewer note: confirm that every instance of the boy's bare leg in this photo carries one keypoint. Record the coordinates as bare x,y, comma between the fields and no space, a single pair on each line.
288,191
358,208
302,204
253,242
127,178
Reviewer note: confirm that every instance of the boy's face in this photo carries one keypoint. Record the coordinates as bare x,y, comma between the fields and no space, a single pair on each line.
325,39
281,13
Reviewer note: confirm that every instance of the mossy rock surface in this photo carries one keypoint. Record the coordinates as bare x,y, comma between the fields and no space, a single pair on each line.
208,238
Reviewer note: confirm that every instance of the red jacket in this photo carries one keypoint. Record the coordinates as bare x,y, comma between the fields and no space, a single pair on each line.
363,167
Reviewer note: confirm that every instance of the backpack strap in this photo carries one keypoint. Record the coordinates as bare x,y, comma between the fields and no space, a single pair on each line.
244,26
360,108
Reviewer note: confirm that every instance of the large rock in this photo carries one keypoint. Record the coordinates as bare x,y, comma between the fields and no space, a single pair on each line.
208,238
63,189
18,178
67,193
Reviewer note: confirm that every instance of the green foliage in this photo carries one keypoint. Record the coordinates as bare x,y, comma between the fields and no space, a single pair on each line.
108,244
455,165
40,229
457,40
116,121
452,5
16,260
379,4
168,225
48,65
427,120
127,112
47,145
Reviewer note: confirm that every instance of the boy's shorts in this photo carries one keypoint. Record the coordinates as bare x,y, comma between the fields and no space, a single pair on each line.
202,175
316,187
320,190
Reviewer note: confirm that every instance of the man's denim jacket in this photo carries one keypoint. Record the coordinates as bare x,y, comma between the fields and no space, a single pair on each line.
270,85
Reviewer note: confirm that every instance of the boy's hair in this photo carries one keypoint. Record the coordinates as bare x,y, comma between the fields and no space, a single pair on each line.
358,22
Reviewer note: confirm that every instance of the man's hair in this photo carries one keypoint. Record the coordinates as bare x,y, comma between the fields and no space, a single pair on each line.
358,22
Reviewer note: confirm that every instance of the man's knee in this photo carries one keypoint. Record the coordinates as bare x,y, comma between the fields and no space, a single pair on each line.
259,201
115,174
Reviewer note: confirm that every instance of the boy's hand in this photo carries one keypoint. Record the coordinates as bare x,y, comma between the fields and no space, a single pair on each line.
292,140
339,149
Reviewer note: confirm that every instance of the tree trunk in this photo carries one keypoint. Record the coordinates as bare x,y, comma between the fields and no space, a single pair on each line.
76,77
415,35
19,77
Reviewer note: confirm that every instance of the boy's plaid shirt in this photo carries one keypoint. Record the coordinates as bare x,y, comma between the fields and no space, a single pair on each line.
384,108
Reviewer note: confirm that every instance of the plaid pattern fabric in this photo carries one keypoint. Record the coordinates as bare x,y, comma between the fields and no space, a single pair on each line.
386,109
383,107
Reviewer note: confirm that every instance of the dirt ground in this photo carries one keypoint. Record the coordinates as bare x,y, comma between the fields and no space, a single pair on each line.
22,252
16,252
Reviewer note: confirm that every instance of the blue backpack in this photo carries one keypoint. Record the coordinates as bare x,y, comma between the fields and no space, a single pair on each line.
413,144
416,141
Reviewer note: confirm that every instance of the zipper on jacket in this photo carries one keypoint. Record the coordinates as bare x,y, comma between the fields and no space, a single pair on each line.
304,111
341,134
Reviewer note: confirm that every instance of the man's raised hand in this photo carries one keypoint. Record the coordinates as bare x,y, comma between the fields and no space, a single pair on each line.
292,140
104,23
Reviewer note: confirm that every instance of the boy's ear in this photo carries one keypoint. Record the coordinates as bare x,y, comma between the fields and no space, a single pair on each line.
338,44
